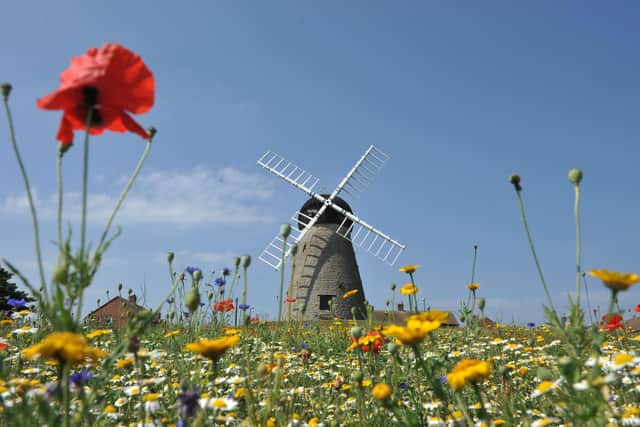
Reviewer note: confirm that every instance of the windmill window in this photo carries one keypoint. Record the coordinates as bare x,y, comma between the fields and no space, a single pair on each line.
325,301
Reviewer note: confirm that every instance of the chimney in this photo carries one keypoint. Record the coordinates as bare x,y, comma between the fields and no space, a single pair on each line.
401,306
133,298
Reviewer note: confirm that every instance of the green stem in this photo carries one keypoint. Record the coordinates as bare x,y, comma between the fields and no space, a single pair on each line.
59,215
34,218
282,267
65,394
85,182
533,251
576,213
586,292
125,191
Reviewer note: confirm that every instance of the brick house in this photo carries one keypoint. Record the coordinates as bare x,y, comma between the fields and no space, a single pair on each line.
115,313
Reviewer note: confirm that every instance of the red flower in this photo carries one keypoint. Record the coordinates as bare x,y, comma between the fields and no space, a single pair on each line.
289,299
3,345
223,305
638,308
113,81
612,321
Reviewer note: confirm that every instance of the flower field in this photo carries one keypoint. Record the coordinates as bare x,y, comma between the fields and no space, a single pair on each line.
301,373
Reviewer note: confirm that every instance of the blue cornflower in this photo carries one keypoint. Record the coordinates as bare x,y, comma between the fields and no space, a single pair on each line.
188,402
17,303
531,325
303,344
403,386
564,319
226,272
443,379
219,281
81,378
294,350
190,269
244,306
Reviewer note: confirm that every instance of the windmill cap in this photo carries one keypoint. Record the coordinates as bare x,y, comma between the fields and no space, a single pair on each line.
329,216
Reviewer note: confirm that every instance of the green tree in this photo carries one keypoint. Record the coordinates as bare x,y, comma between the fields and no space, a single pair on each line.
10,290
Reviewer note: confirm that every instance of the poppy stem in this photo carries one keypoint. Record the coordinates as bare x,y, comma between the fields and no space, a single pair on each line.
124,193
533,251
576,213
25,178
85,179
59,215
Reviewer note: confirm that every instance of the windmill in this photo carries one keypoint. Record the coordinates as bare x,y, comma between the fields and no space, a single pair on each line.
325,231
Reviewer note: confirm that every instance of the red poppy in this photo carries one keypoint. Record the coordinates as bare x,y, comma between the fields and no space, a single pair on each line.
255,320
113,81
289,299
612,321
223,305
3,345
638,308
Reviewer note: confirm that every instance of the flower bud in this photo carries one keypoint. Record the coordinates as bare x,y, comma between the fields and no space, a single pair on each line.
358,377
245,261
356,332
285,231
60,274
392,347
393,286
192,299
170,257
294,249
197,275
482,303
119,287
236,261
515,180
6,90
64,147
575,176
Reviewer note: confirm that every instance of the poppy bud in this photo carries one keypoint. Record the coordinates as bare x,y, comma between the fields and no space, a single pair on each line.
197,275
294,249
192,299
393,286
358,377
64,147
515,180
119,287
482,303
60,274
575,176
170,257
6,90
356,332
392,347
285,231
246,261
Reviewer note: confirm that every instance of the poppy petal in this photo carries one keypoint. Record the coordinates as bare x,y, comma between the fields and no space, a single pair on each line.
65,132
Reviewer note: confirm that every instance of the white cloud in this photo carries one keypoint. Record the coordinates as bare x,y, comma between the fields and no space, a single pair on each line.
198,196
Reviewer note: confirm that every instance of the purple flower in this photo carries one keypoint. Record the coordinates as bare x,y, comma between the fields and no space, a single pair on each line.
190,269
443,379
17,303
244,306
403,386
188,402
303,344
81,378
226,272
219,281
531,325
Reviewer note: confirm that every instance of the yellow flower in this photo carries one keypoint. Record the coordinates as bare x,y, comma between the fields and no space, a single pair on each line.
5,322
408,289
232,331
614,280
151,397
468,370
213,348
473,286
416,328
64,347
98,332
350,293
409,269
381,392
123,363
172,333
430,316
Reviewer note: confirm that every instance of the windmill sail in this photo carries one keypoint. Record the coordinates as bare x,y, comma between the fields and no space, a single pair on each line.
370,239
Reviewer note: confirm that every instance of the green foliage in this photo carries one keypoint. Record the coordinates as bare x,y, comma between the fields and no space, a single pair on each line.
9,290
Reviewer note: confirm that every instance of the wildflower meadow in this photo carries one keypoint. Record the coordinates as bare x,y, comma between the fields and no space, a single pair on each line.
200,358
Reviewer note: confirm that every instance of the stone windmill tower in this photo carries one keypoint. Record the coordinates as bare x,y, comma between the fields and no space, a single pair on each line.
325,231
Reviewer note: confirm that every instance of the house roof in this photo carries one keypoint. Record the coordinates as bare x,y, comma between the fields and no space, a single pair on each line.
122,300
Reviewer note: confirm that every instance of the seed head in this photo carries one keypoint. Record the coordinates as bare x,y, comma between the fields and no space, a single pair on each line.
575,176
515,180
245,261
6,90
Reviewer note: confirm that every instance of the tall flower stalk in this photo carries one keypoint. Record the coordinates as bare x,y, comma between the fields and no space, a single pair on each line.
575,177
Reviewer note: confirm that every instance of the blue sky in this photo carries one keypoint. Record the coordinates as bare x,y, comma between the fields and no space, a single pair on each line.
459,95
